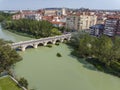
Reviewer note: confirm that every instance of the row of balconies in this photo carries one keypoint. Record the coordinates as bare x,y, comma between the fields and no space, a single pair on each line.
114,21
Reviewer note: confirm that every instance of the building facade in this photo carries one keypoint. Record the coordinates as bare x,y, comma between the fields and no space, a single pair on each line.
97,30
35,16
80,21
112,26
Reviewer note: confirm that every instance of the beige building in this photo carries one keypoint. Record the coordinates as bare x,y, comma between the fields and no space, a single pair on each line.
50,12
80,21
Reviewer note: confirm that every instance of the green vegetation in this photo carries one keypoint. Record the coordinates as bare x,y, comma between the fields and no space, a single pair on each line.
64,29
102,52
49,45
8,56
23,82
58,55
8,84
55,31
34,28
5,16
57,43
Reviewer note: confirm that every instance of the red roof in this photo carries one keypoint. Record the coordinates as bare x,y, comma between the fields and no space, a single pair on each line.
62,23
48,18
113,17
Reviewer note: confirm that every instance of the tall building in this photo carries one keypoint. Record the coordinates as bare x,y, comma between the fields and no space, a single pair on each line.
71,22
64,11
80,21
97,30
112,26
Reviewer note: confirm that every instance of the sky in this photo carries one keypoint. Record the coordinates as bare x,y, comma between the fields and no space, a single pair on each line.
38,4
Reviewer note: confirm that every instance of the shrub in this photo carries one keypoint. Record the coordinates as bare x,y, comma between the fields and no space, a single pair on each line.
50,46
58,55
57,44
23,82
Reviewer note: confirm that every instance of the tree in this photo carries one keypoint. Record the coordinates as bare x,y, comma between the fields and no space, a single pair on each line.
5,16
1,18
116,49
102,48
55,31
82,43
8,56
23,82
85,45
75,40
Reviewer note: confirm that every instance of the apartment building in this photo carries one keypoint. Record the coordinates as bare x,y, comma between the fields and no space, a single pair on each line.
80,21
35,16
97,30
112,26
17,16
50,12
28,15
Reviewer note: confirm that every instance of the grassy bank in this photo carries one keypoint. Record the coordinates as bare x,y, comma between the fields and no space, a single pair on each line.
7,84
22,34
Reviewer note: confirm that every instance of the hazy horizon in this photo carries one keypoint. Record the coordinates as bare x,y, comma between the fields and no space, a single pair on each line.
39,4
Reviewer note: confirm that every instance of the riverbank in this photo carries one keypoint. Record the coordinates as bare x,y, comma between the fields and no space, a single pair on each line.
9,83
99,65
21,33
101,52
102,67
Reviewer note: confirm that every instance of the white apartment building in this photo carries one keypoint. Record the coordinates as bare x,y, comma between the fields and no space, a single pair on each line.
80,21
36,16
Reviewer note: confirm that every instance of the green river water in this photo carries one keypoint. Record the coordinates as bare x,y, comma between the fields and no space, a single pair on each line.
45,71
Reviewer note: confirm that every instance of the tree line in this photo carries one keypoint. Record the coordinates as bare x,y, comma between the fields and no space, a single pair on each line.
35,28
102,52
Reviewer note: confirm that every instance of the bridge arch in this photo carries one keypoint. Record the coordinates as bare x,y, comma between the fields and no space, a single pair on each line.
65,39
58,40
40,44
49,42
18,48
29,46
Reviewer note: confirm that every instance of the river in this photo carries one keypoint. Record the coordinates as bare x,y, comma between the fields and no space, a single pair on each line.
45,71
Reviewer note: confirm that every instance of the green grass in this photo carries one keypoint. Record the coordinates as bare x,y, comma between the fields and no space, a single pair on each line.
7,84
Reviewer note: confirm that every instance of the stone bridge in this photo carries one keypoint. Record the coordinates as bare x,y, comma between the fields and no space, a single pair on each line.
44,41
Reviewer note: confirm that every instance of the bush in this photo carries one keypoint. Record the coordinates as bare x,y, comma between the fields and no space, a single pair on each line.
58,55
65,41
50,46
115,66
23,82
57,44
